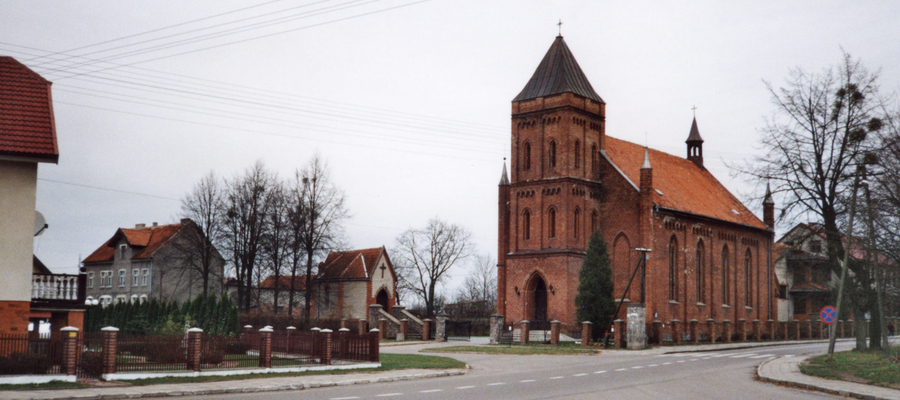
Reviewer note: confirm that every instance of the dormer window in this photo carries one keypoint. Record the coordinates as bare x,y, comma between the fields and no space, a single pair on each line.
122,249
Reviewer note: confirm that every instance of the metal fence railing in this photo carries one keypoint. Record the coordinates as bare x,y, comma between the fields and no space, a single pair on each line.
22,355
157,353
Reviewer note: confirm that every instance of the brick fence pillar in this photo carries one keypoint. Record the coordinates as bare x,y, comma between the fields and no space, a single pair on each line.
712,329
382,328
314,336
809,329
265,347
110,348
289,334
374,336
194,348
786,327
840,329
852,332
496,327
426,329
676,331
404,326
742,329
770,324
619,333
525,332
657,331
247,329
343,343
363,327
554,332
586,333
326,346
757,329
695,331
70,350
729,330
440,328
344,323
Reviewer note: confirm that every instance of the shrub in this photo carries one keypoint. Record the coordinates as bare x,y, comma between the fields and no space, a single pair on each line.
24,364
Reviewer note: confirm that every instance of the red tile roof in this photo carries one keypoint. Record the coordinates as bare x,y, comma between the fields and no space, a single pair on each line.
684,186
284,282
144,242
353,264
27,128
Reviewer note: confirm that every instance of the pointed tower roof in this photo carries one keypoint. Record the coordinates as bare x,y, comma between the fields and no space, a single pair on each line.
768,198
695,133
504,180
558,73
646,164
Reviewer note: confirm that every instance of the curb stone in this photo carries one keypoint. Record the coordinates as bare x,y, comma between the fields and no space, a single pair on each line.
854,391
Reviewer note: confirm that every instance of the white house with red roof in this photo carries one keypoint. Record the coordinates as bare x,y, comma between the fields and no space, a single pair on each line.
348,282
27,138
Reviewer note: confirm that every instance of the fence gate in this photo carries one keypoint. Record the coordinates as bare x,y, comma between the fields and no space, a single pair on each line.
459,330
89,362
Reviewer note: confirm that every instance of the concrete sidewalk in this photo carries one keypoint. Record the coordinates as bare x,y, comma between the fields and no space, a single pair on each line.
786,371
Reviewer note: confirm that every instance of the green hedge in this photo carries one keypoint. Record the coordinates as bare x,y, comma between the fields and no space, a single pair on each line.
215,315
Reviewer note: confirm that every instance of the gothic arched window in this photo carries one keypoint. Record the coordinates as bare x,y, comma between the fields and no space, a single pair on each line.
594,158
701,295
526,225
577,154
593,221
526,158
748,278
673,266
552,154
725,283
551,221
575,223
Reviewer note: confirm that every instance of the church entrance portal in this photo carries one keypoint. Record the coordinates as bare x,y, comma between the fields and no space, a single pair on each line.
382,298
538,298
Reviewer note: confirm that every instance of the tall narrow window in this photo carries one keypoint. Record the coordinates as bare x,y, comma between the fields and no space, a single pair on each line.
673,266
577,154
526,159
725,283
575,223
552,154
90,279
551,216
146,277
701,295
526,225
122,249
135,277
594,158
121,277
748,278
593,222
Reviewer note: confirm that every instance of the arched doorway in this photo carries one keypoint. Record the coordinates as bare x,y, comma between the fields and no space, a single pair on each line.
537,290
382,298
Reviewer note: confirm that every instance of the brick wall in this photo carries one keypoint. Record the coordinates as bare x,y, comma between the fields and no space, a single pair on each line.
14,317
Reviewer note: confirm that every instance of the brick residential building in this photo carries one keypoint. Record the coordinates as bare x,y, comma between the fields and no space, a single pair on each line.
710,256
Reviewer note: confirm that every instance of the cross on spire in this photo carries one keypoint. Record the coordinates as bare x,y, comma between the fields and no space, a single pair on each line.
560,27
694,108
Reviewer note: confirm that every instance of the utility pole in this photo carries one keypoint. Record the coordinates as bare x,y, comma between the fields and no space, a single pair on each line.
846,261
877,272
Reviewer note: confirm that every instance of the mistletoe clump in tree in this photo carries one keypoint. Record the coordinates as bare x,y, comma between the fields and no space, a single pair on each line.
595,287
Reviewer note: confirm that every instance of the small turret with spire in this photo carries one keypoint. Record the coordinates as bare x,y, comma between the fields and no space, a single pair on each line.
769,208
695,145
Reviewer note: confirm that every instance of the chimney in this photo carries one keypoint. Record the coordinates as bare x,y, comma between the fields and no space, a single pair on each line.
185,221
769,208
139,226
154,224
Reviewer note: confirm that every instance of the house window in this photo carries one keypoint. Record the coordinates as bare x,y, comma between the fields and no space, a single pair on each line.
575,223
121,278
146,277
552,154
120,299
122,249
134,298
102,279
577,154
551,216
90,280
673,265
782,291
725,282
526,225
135,277
143,298
701,295
748,278
526,159
815,246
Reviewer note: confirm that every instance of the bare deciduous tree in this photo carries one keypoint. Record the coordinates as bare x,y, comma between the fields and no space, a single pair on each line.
480,286
203,206
424,257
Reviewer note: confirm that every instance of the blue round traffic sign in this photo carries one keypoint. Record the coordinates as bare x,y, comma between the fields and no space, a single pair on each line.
828,315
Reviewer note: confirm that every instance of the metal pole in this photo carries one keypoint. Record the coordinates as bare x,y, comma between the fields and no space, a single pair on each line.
840,296
876,272
641,262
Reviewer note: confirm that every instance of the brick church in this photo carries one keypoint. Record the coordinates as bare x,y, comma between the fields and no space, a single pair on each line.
710,255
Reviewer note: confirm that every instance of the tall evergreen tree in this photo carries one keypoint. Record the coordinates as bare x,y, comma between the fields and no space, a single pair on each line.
595,287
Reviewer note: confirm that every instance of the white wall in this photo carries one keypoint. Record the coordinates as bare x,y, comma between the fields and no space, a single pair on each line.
18,181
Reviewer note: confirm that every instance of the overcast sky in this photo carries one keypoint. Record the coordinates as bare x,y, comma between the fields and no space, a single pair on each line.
408,101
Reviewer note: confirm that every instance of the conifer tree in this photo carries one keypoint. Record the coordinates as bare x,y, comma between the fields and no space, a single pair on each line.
595,301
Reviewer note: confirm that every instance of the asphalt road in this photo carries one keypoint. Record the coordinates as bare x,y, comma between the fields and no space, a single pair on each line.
727,374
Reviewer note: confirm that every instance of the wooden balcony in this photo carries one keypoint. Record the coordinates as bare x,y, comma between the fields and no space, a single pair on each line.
58,290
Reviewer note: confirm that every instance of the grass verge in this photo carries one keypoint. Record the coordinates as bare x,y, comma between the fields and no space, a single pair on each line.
869,367
526,349
40,386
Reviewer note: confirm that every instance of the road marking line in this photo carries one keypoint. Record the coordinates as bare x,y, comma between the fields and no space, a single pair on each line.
638,367
723,355
344,398
743,355
666,363
557,377
622,369
389,395
465,387
496,383
681,361
527,380
600,372
788,355
653,365
694,359
580,375
764,356
431,391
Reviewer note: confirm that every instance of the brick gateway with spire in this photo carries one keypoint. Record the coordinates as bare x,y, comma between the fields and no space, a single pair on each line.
710,255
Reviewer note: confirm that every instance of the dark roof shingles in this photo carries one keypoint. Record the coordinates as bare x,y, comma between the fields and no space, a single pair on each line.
26,113
558,73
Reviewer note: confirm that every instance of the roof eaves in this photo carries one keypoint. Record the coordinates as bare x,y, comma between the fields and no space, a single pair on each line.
701,216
